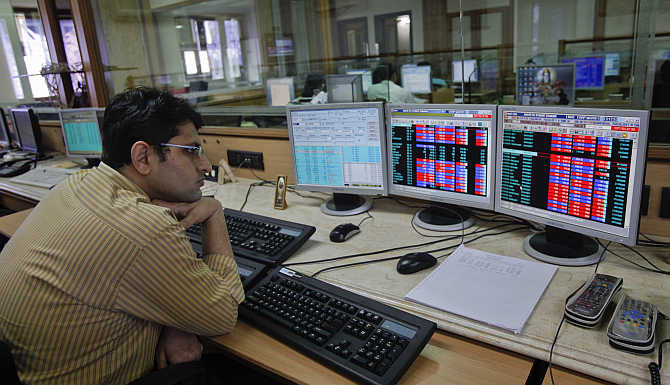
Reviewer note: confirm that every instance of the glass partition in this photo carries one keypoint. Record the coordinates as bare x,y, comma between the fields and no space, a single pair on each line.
224,52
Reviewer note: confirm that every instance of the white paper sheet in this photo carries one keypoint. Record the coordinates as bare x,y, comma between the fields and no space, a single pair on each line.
498,290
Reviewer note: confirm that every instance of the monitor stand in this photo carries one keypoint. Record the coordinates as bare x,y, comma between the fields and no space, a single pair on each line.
562,247
443,218
346,204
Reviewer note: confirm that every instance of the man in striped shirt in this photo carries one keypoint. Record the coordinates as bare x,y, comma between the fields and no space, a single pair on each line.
99,284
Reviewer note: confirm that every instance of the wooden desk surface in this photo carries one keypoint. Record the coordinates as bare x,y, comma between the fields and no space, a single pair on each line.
446,359
11,222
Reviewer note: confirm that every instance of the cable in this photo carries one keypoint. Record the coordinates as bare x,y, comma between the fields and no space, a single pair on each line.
392,258
601,255
654,270
654,368
551,350
367,217
246,198
653,241
390,249
648,261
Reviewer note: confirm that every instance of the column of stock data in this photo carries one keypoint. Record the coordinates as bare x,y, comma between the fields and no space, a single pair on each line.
583,176
440,156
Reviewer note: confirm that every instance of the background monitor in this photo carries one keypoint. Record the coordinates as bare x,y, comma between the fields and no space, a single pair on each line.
415,78
579,171
28,129
470,70
344,88
81,128
542,85
280,91
444,154
339,148
612,64
589,72
366,74
5,142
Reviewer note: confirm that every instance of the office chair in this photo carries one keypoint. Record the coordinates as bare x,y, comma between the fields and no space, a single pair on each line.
7,368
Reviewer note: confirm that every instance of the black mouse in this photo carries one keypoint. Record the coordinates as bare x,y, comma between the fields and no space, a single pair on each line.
413,262
343,232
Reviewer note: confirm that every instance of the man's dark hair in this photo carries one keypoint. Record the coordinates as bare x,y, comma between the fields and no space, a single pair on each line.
380,74
384,71
142,114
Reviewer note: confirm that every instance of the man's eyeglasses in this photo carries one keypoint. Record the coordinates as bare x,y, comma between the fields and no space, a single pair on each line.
193,150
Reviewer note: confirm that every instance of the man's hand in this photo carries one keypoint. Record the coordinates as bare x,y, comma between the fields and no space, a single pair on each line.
209,212
191,213
176,346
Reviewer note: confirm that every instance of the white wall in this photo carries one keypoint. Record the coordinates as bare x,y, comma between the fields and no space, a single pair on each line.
351,9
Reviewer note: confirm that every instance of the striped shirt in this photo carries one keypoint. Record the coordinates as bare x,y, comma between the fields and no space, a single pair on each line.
91,275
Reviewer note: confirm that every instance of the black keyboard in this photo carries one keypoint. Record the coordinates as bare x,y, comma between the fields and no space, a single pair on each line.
249,270
264,239
361,338
14,168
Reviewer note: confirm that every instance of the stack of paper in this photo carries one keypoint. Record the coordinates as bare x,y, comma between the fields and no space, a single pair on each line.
498,290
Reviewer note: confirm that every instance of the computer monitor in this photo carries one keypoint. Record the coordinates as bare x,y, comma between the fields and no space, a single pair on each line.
280,91
366,75
466,72
415,78
589,72
5,141
442,153
344,88
579,171
339,148
542,85
612,64
27,127
81,128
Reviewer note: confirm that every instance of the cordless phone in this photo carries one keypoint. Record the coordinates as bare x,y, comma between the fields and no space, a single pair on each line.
632,327
587,305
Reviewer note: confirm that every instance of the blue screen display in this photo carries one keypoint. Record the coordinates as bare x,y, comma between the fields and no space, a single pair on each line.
589,72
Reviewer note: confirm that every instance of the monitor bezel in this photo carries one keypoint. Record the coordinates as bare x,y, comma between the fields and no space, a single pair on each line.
35,130
572,96
4,130
428,90
362,72
602,80
383,191
356,82
62,129
447,197
565,223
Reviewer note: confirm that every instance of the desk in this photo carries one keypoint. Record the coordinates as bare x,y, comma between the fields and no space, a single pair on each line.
487,354
582,350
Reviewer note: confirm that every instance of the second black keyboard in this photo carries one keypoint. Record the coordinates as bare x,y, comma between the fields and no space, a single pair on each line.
361,338
264,239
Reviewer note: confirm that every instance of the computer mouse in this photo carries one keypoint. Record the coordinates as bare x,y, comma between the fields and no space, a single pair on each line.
343,232
413,262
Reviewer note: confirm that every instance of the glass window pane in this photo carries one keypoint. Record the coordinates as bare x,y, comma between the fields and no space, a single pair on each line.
35,51
190,63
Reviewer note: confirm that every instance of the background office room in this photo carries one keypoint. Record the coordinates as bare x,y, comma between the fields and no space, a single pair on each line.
466,191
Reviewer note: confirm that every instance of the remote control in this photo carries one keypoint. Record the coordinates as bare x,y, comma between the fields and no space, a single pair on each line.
632,328
586,306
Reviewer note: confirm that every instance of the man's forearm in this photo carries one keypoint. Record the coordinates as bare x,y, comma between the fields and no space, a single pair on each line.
215,238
